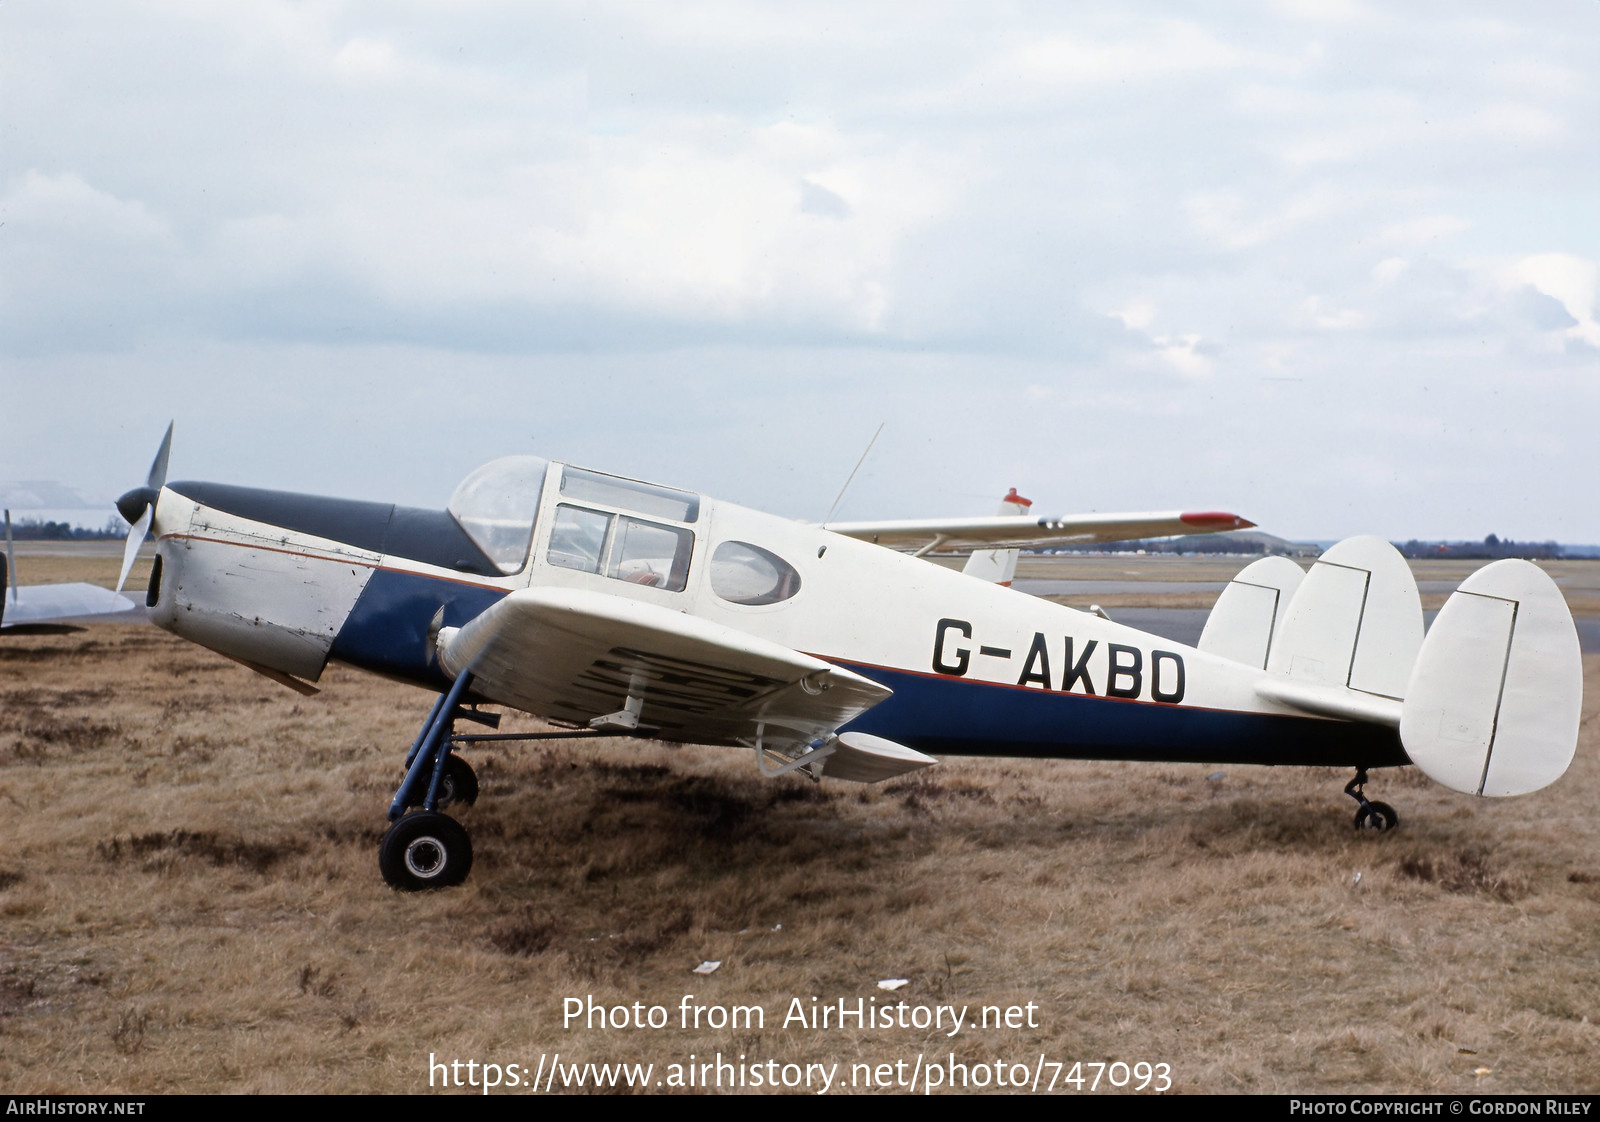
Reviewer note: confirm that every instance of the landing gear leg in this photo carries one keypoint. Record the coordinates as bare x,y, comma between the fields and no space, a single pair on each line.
427,849
1372,815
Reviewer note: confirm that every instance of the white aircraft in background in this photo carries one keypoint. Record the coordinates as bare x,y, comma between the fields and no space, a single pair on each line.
616,607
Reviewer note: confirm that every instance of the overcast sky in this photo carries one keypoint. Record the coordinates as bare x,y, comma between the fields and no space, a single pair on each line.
1333,265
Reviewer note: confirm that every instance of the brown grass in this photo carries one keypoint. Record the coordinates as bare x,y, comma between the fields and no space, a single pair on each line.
189,901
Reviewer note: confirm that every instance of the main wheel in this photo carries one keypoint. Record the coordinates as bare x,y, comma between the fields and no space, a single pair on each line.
458,786
425,849
1377,816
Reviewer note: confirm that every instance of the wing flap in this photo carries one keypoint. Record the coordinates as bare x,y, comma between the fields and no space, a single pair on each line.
581,656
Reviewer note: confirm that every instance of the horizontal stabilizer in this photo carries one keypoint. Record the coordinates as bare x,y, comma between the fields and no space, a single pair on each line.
862,758
1354,623
1494,703
1245,619
1332,701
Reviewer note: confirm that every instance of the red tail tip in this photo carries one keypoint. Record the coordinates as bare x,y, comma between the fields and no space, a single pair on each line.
1013,497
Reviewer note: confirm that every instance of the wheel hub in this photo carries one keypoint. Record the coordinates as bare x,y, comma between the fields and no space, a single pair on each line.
425,857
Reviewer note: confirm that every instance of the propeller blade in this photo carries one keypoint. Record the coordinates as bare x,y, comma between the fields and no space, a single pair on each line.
135,539
158,467
138,506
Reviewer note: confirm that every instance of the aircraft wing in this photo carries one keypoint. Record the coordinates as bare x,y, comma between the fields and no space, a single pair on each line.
1024,530
45,604
36,604
585,657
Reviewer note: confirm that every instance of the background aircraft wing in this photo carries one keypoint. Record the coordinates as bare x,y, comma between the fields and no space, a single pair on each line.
37,604
936,535
47,604
584,656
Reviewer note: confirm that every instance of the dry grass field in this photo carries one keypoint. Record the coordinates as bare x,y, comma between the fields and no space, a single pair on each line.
190,901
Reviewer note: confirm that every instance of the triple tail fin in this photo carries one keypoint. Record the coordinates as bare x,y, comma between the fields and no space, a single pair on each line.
1350,635
1489,703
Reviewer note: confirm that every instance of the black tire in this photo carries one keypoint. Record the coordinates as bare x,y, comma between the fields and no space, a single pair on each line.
425,849
458,786
1377,816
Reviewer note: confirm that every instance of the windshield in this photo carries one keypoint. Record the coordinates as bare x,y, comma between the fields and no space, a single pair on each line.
496,505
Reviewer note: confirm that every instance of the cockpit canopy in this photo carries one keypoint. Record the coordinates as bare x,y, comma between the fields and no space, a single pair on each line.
496,506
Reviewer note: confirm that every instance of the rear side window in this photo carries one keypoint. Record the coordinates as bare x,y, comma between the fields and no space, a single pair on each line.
742,573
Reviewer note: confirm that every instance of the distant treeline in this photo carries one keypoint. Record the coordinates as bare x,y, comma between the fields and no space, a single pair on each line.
32,530
1490,548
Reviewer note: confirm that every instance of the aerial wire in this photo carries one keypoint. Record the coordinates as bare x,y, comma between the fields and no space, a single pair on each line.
853,471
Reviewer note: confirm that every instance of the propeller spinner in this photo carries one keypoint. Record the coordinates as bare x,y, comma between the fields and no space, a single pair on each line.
138,506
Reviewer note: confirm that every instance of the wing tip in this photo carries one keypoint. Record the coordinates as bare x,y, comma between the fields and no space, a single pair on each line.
1215,520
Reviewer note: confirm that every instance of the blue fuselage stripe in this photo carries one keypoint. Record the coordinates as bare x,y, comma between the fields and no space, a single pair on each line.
962,717
387,630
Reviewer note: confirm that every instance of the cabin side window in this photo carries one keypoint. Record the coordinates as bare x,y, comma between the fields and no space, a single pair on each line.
620,547
742,573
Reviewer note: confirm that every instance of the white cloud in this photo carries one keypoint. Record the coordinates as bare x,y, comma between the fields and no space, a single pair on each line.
1181,355
1422,229
1141,53
1570,279
1137,316
1234,221
1140,213
1315,311
1388,270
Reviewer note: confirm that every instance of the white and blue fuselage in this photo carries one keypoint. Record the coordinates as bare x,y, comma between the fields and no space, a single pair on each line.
287,582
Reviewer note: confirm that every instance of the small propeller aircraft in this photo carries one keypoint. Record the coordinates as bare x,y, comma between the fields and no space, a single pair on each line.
616,607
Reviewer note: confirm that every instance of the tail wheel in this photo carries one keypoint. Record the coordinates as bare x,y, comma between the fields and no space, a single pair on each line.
1376,816
425,849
